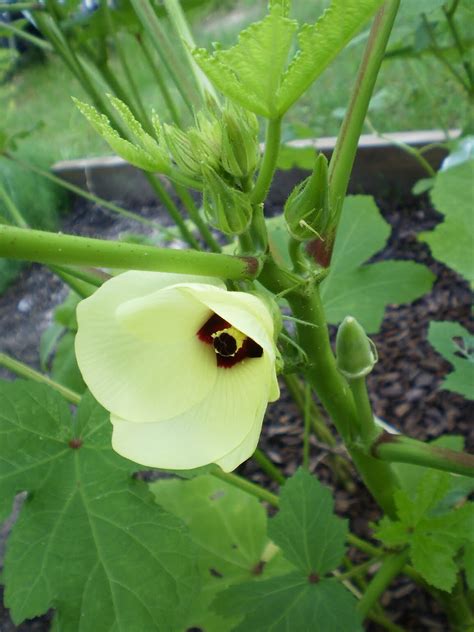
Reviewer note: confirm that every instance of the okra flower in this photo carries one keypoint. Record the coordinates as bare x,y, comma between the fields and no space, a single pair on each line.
185,367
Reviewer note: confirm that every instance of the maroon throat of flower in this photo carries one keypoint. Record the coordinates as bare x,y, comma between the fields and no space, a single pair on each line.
231,346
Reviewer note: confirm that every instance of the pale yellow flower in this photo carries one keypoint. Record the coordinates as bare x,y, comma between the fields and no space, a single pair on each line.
185,367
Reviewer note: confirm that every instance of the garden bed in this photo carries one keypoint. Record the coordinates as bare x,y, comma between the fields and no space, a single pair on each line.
403,386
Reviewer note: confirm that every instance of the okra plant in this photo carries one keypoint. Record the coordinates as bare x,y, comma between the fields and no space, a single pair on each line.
181,350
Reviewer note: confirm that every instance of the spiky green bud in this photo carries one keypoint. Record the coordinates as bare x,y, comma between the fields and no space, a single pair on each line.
226,208
240,150
307,208
356,354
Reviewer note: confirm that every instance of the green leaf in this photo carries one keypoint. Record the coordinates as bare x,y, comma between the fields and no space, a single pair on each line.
90,541
452,241
250,72
229,528
434,536
48,342
320,43
363,291
468,561
278,237
148,156
309,534
459,353
410,9
291,602
64,368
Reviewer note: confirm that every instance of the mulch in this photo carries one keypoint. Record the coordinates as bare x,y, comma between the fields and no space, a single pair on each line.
404,385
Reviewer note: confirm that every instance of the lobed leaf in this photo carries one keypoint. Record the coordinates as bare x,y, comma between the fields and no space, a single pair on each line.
89,542
320,43
136,156
309,534
291,602
455,344
452,241
363,291
250,72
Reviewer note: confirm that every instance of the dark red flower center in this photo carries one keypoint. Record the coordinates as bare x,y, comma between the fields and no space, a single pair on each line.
230,345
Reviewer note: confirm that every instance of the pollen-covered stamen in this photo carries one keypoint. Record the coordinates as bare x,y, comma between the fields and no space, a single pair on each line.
230,344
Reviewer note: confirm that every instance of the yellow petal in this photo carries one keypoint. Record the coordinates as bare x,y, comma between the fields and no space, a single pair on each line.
209,430
137,378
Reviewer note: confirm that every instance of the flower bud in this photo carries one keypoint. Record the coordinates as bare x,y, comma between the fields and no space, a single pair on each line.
240,150
307,208
182,150
226,208
356,354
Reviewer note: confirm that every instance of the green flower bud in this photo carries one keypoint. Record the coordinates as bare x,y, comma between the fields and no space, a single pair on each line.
356,354
240,150
182,150
226,208
307,208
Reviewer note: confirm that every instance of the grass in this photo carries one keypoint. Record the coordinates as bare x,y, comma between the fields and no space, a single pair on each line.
411,95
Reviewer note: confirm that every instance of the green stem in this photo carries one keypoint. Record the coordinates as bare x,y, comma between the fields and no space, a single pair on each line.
200,224
21,6
23,370
32,39
161,83
89,196
459,45
391,567
354,571
172,209
178,20
54,248
412,151
458,609
439,55
368,431
247,486
400,449
93,277
307,426
165,50
268,467
270,157
18,218
77,285
344,153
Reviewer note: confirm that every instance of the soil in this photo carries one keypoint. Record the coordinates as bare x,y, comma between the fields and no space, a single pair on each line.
403,386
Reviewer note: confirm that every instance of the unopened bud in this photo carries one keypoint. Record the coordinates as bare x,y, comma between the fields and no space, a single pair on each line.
226,208
356,354
182,150
307,208
240,150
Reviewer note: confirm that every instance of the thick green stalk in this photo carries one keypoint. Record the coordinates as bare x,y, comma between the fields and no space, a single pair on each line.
335,394
270,157
54,248
344,153
23,370
268,467
391,567
400,449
